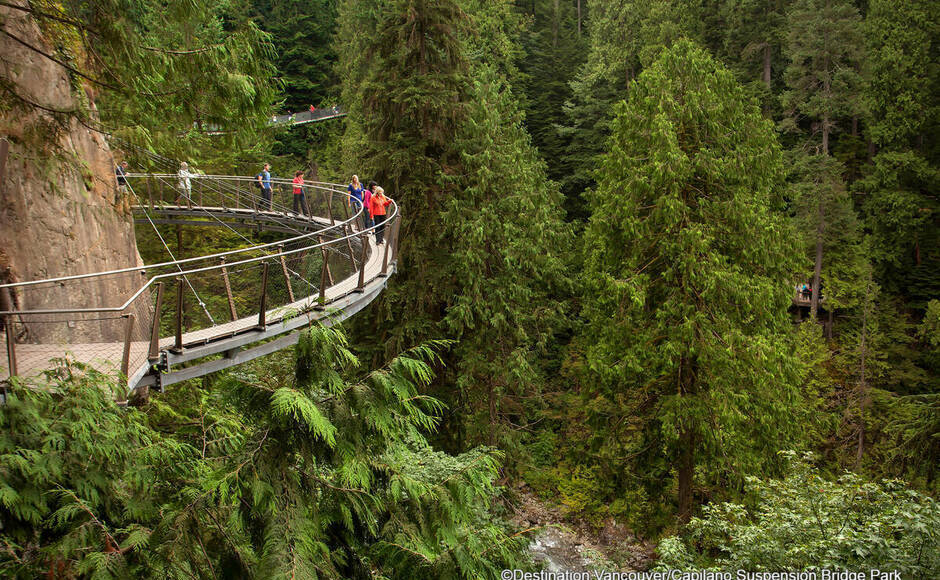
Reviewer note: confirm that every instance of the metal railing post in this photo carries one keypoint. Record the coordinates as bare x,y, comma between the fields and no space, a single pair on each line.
154,353
395,237
128,334
264,296
362,264
178,344
6,303
323,270
228,291
290,291
329,207
384,271
326,262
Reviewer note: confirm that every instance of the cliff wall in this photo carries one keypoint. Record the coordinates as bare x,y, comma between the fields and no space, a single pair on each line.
60,213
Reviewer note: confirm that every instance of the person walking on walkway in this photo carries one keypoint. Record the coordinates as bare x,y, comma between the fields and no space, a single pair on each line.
185,185
379,203
299,198
355,192
264,182
367,205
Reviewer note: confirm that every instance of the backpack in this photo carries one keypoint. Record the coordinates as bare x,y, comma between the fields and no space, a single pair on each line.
258,179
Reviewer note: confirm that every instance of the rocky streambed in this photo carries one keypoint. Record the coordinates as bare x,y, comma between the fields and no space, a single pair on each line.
560,544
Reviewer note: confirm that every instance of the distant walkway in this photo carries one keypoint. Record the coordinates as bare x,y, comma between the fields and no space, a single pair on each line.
291,119
305,117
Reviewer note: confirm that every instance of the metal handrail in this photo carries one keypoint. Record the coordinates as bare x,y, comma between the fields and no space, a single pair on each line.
198,341
152,280
349,221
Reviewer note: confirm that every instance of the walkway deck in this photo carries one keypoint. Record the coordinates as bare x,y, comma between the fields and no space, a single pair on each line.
237,341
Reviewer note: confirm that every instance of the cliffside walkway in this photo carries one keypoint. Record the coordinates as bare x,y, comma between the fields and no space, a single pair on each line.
187,317
300,118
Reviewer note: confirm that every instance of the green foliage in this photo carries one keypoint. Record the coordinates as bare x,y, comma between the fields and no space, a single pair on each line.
302,32
902,92
753,39
315,475
483,225
824,47
81,481
625,37
686,338
806,521
900,204
554,50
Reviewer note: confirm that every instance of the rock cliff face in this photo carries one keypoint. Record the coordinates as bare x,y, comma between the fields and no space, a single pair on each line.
59,212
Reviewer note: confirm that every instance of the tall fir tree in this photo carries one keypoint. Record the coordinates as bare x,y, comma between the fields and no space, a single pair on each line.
435,121
900,198
754,34
624,37
824,48
302,33
687,266
555,47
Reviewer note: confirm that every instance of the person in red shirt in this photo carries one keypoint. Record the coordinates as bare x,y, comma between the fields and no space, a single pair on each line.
379,202
299,198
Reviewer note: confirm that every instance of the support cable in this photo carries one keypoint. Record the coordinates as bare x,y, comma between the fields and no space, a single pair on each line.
172,257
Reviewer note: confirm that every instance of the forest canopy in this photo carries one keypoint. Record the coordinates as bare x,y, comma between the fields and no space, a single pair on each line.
672,266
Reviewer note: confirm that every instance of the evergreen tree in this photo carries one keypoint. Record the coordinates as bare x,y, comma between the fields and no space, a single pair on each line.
158,74
625,36
554,49
900,204
688,362
754,32
261,473
482,225
302,32
824,47
82,482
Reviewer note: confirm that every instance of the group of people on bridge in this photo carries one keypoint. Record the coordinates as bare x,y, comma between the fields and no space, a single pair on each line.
371,199
374,205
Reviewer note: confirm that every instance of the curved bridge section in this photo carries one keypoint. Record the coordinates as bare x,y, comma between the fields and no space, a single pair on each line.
185,317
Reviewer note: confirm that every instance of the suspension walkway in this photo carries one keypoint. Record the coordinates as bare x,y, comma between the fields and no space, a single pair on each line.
187,317
291,119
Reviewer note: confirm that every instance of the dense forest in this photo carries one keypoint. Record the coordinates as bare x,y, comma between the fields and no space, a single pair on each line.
672,266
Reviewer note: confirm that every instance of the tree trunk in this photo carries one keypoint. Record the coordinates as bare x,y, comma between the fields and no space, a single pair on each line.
862,382
579,18
686,443
491,396
766,77
686,472
825,135
817,270
555,23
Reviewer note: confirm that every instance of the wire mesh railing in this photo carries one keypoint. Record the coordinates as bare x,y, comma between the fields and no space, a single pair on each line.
123,320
